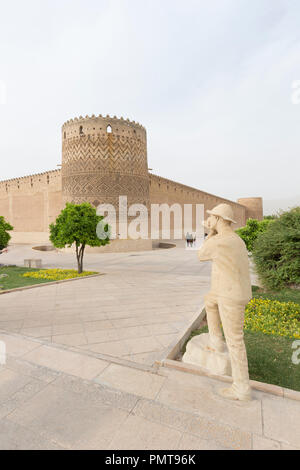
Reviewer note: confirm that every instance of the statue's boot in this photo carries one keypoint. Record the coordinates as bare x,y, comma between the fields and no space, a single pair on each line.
231,394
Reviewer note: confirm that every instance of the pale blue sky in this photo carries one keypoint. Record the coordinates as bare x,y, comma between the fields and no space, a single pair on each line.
210,80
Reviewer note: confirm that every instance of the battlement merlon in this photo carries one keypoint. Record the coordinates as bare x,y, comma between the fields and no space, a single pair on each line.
34,176
97,125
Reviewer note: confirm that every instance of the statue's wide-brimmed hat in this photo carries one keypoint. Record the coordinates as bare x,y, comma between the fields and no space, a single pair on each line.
223,210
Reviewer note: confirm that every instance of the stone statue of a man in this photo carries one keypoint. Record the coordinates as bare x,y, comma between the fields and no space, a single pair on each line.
230,292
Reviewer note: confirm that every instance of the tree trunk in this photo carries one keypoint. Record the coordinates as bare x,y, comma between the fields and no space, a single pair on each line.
79,256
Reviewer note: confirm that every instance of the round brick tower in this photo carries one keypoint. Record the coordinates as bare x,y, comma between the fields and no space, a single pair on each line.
104,158
254,207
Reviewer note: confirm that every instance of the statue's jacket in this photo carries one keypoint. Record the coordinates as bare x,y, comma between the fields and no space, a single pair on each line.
230,267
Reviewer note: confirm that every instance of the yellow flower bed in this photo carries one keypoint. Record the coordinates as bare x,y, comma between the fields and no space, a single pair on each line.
273,318
57,274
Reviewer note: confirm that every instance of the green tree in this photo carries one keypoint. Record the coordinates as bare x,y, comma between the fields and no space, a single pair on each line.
79,224
5,227
276,252
252,229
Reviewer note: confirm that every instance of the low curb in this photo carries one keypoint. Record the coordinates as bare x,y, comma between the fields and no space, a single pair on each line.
176,347
51,283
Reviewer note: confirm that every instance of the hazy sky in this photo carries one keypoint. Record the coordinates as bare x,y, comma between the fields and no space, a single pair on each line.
210,80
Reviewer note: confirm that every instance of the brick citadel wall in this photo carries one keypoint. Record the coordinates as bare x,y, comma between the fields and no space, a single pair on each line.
163,190
254,207
102,158
30,204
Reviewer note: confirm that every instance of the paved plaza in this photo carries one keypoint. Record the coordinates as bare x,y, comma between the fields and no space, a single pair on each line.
81,370
134,311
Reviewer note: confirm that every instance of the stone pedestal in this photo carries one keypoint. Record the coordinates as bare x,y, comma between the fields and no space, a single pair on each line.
200,353
33,263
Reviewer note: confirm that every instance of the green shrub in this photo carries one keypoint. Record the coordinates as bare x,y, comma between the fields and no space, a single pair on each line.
5,227
276,251
252,229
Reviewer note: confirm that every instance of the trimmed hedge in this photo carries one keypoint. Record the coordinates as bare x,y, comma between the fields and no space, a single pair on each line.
276,251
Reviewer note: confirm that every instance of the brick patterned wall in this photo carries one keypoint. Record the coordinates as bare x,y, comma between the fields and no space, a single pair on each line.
254,207
98,166
32,202
163,190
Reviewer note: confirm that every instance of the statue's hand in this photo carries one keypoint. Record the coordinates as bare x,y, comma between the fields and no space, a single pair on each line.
212,233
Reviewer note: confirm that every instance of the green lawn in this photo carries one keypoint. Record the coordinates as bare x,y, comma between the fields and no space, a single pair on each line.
15,277
270,357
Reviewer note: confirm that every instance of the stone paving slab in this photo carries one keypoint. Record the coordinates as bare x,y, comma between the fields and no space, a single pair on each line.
17,346
281,419
44,408
139,382
65,361
65,417
138,433
16,437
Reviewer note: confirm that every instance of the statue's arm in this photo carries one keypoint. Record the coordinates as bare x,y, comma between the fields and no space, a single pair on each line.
208,248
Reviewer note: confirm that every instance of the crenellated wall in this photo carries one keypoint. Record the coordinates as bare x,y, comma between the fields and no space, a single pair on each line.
163,190
102,158
30,204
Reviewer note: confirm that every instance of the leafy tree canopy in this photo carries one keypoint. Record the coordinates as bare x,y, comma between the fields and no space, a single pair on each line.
5,227
77,224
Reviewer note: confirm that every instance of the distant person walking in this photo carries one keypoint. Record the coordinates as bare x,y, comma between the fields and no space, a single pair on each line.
189,239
